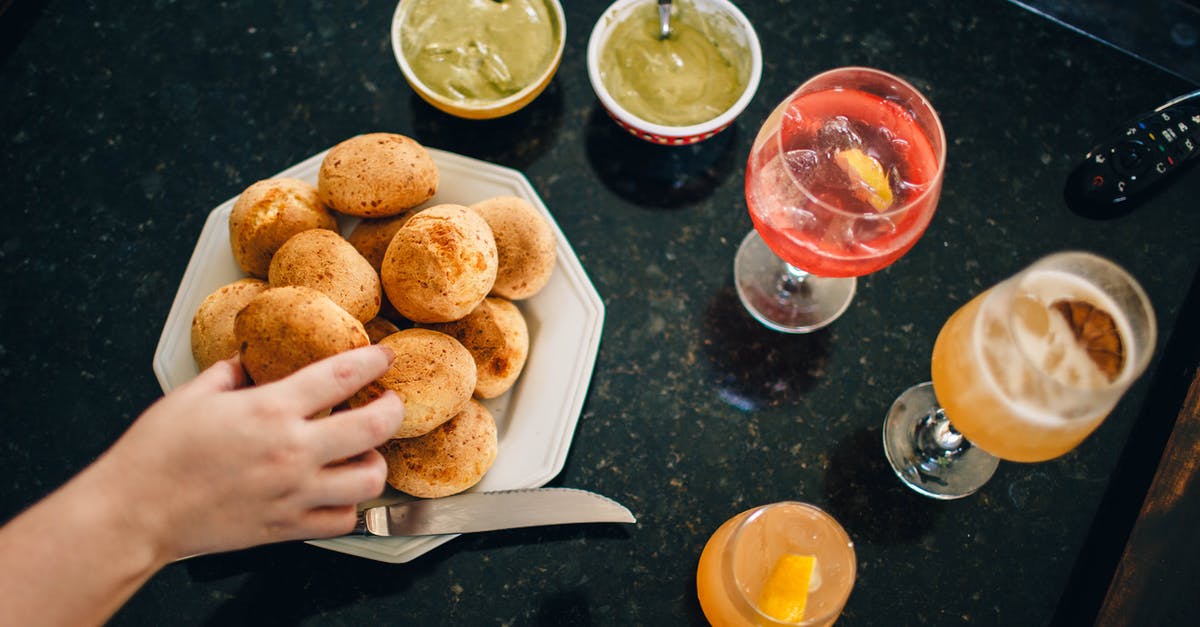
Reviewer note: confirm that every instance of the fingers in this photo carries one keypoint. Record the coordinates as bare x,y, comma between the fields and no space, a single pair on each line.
326,522
354,481
328,506
349,433
331,380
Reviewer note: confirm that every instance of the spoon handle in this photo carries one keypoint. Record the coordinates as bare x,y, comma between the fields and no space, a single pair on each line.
664,18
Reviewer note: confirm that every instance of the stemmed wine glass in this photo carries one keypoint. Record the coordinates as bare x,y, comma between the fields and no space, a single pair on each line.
1023,372
842,179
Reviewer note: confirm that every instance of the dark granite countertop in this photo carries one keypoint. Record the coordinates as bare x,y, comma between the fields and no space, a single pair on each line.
123,124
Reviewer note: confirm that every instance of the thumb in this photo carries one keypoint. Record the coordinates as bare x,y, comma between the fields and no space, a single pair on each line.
223,376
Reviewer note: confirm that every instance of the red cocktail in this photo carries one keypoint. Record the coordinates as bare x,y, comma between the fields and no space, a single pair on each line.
842,180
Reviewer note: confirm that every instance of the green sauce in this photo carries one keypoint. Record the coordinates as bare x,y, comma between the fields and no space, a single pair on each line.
691,77
478,50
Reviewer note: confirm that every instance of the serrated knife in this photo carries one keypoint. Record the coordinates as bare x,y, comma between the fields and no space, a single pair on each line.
488,511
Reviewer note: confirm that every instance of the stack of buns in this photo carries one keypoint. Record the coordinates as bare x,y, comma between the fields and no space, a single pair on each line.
435,284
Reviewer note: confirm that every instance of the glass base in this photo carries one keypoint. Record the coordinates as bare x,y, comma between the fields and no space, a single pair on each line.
783,297
927,453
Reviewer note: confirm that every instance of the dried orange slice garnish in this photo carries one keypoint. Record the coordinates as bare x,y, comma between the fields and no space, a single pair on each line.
785,593
1096,331
870,182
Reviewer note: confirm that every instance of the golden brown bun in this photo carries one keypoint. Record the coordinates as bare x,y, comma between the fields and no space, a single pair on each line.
324,261
212,326
284,329
497,337
448,460
370,237
379,328
377,175
432,373
524,244
266,214
440,265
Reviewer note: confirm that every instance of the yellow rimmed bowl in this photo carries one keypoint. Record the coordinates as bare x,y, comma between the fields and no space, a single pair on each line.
479,108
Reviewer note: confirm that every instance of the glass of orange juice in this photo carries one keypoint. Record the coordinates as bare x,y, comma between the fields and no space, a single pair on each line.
1023,372
785,563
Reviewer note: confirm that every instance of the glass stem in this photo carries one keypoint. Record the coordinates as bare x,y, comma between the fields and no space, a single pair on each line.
938,442
791,281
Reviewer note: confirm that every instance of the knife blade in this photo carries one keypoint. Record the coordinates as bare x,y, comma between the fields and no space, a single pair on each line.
487,511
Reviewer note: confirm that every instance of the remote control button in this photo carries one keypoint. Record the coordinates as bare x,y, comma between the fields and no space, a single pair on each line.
1130,158
1167,135
1184,147
1188,124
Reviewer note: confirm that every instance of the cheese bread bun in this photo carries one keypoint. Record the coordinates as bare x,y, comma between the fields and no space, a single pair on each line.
432,373
324,261
284,329
447,460
212,326
524,245
269,212
497,337
377,175
370,237
440,265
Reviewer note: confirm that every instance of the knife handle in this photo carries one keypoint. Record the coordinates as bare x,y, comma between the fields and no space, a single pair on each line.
360,527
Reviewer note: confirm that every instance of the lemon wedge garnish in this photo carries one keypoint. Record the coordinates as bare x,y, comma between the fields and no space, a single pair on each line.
785,593
867,176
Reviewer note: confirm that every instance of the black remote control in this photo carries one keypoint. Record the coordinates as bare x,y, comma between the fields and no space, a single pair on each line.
1130,164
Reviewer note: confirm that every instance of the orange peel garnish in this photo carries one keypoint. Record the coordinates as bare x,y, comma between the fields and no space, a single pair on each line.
785,593
1096,331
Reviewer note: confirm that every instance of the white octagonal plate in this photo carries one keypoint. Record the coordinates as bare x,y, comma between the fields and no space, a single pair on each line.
535,420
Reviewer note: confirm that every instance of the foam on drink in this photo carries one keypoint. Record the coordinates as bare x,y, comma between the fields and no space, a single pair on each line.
1047,353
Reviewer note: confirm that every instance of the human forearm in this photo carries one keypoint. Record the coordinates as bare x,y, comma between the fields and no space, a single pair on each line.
213,466
76,556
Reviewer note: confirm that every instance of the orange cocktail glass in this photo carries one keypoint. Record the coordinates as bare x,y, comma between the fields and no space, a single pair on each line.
743,553
1024,372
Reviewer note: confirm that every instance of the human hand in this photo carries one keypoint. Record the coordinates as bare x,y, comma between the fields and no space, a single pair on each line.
216,465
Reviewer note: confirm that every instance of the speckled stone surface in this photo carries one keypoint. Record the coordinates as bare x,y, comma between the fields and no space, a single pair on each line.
123,124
